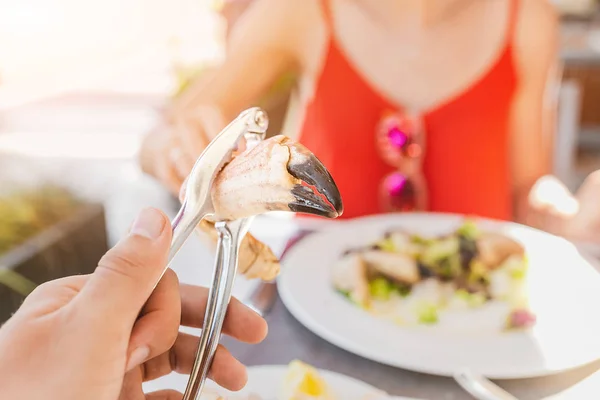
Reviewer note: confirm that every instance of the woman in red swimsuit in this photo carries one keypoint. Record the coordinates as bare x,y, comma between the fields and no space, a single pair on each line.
412,105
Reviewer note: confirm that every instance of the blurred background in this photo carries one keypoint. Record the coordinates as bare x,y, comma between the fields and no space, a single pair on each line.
82,82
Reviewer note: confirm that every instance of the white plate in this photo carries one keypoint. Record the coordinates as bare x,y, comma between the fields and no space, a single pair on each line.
564,293
265,380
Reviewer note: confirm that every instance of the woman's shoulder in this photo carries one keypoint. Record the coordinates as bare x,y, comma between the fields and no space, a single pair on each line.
536,33
296,26
534,19
282,18
536,12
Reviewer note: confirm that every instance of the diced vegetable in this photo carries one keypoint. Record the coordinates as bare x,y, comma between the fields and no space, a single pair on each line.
462,294
478,272
381,288
440,249
402,243
416,239
427,313
353,298
518,273
472,299
387,245
469,230
450,267
468,251
516,266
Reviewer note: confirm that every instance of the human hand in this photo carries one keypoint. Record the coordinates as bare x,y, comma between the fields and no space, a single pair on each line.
555,209
584,225
99,336
161,156
170,151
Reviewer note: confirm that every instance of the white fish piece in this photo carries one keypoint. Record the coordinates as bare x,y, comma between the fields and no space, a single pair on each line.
397,266
349,274
494,248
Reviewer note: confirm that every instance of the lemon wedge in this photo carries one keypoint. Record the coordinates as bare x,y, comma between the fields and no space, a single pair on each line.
302,382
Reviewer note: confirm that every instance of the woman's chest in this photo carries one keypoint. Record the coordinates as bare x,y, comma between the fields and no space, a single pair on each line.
419,69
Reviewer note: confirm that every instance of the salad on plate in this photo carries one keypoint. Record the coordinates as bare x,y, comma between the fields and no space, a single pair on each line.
414,280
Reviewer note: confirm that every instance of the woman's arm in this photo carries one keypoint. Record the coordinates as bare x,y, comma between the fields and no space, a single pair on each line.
266,42
533,113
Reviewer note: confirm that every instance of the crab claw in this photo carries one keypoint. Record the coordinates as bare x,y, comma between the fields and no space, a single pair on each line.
276,175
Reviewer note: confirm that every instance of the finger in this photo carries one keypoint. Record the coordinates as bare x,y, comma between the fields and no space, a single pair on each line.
181,162
166,173
156,330
191,135
128,273
589,191
52,295
226,370
548,193
241,322
165,395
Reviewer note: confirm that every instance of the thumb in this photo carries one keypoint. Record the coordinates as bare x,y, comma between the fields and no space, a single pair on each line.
553,196
128,273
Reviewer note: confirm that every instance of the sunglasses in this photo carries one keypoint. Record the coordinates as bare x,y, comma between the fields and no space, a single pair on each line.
401,143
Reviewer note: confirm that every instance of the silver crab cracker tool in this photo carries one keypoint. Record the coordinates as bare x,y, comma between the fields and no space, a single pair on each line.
251,126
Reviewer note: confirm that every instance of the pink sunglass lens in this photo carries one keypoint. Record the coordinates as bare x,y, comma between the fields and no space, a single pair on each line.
397,138
401,192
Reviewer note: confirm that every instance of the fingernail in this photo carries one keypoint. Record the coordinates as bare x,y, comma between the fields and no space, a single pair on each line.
137,357
149,223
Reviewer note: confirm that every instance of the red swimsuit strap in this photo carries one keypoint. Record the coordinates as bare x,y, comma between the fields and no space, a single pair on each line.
327,15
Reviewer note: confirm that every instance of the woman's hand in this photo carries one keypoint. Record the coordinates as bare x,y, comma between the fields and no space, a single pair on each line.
98,337
584,225
162,156
555,209
169,151
270,30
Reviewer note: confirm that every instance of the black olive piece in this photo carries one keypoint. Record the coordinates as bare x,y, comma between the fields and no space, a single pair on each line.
467,251
424,272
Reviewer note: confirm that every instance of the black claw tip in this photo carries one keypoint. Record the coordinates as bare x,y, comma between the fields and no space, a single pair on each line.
306,201
327,201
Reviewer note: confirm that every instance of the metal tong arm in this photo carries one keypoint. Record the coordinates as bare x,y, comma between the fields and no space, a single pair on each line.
198,204
230,237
